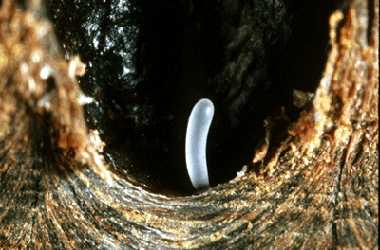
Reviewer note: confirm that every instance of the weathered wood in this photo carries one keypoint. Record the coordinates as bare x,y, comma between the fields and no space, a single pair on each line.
319,190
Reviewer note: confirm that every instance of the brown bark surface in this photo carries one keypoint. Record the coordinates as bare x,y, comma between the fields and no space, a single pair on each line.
319,189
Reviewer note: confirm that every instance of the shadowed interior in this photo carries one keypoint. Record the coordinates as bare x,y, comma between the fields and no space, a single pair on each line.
182,51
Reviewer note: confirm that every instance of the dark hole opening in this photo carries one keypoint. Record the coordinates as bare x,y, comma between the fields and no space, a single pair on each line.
150,61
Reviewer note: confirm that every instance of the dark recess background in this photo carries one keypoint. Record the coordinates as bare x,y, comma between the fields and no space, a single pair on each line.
179,53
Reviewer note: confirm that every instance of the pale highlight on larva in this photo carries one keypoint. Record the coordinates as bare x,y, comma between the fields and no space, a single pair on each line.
196,141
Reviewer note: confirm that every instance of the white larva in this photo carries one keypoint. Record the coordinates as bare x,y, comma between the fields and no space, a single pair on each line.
196,140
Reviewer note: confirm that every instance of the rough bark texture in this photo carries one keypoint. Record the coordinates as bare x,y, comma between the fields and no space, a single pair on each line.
319,190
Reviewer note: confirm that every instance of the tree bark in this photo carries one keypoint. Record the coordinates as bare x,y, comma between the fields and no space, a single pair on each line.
318,190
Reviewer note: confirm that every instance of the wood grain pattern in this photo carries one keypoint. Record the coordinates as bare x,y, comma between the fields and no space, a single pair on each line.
319,190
